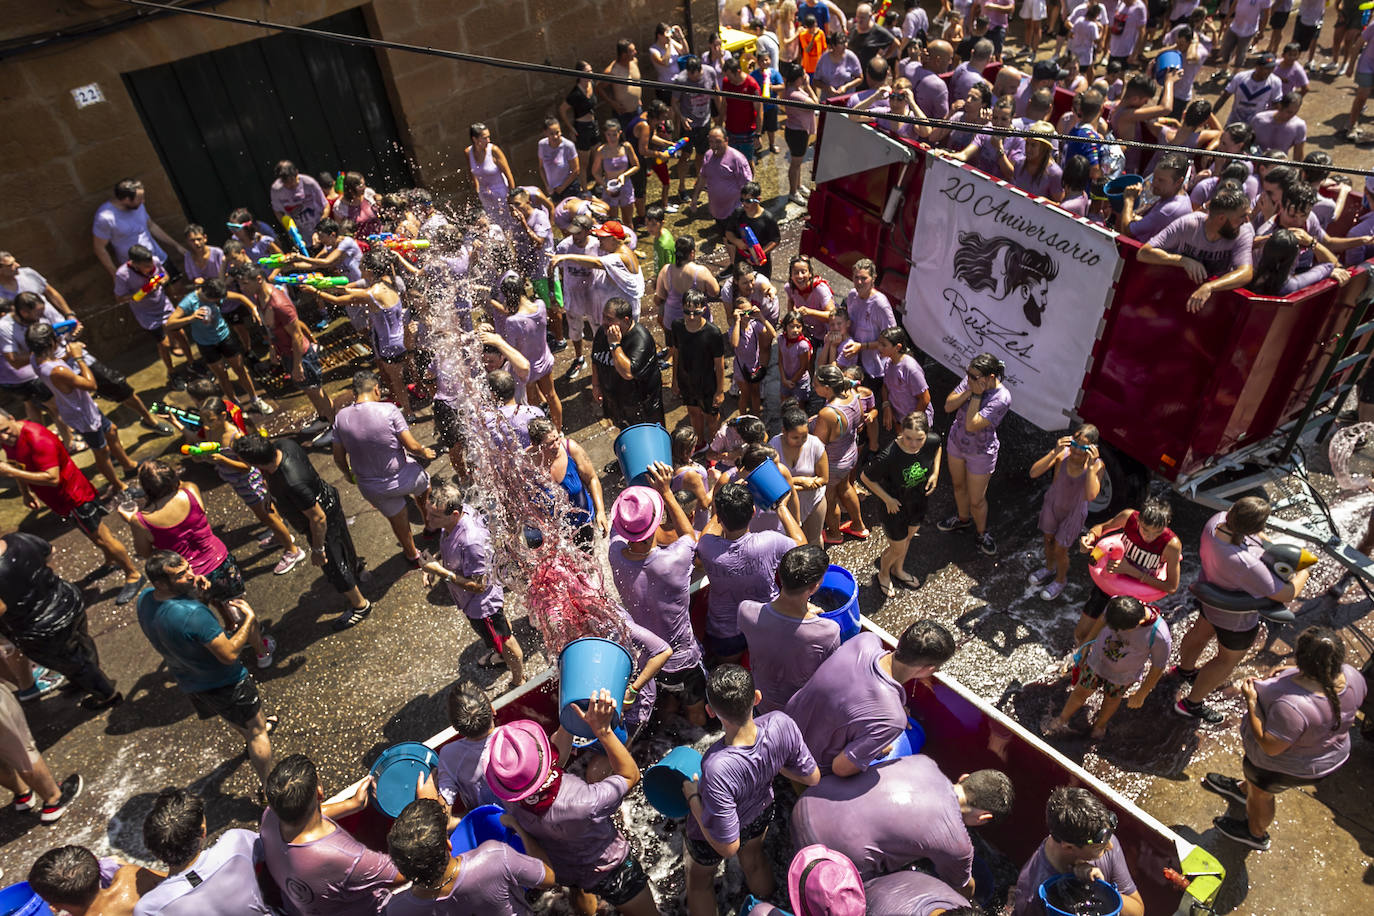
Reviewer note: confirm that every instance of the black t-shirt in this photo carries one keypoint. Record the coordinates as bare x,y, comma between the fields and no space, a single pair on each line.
902,475
765,230
965,47
638,399
295,484
697,352
37,602
870,44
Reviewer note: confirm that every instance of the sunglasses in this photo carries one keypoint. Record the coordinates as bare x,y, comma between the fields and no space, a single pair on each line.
1080,446
694,311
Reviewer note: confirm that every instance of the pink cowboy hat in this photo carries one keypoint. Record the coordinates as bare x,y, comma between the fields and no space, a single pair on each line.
822,882
636,512
519,760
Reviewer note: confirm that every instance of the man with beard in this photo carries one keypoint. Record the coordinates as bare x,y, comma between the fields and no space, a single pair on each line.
1212,245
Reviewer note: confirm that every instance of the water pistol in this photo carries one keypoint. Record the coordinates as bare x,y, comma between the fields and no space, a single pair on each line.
64,327
275,260
289,225
881,11
338,183
314,281
205,448
153,283
185,417
757,255
676,147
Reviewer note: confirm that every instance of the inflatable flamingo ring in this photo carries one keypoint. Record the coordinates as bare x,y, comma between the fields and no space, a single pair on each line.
1105,552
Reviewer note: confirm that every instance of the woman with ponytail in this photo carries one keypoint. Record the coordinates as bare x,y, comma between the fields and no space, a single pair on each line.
1296,731
837,426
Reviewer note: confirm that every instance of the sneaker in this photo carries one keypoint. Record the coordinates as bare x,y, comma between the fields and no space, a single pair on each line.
71,788
161,427
1186,674
1051,591
44,681
805,191
798,198
315,426
288,562
954,523
989,546
262,407
24,802
1239,830
1225,786
324,439
269,647
1186,707
577,365
557,346
351,617
670,208
130,590
1040,576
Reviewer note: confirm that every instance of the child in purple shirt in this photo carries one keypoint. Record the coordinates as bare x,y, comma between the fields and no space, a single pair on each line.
1081,841
460,777
732,803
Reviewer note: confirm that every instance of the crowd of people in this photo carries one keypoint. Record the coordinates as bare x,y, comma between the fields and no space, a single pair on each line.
580,254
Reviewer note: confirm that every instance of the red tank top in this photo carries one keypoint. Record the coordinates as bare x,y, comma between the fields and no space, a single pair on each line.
1142,554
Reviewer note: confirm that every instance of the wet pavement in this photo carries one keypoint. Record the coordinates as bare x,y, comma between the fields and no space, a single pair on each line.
343,697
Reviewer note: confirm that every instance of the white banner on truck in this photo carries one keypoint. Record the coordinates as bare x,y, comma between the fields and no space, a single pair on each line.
995,271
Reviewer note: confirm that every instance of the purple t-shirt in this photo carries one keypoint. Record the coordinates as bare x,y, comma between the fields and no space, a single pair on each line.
490,881
904,383
657,593
125,228
783,651
1252,95
226,882
466,550
1238,568
1294,78
368,431
744,569
850,705
152,310
213,267
644,645
461,774
1365,62
889,817
1188,237
528,333
737,782
723,175
1125,28
519,416
993,406
910,893
556,161
867,319
1161,214
577,830
1049,183
335,874
1119,656
962,80
1295,714
1112,864
1271,133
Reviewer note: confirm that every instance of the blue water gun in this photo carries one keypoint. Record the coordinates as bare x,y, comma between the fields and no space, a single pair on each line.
64,327
676,147
758,257
289,225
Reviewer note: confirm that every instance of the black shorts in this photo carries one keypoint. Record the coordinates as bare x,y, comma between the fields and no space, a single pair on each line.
237,703
701,395
227,348
494,630
572,190
157,334
701,852
797,140
110,384
624,884
1096,604
587,136
312,376
688,685
226,581
725,646
1304,34
34,391
1272,781
640,182
1236,640
897,525
87,516
1348,15
1278,19
449,426
699,137
770,119
237,316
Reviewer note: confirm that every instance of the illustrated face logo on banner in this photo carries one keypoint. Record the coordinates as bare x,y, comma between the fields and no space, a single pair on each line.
995,271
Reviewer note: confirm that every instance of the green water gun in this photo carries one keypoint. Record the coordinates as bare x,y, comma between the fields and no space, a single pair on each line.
315,281
275,260
186,417
205,448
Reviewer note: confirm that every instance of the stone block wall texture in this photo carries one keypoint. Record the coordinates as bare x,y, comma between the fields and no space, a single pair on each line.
59,163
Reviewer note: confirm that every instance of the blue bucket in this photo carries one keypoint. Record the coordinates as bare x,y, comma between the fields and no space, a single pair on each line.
908,743
585,666
1166,61
767,485
838,597
663,781
20,900
481,824
397,770
753,906
1112,189
1074,897
640,446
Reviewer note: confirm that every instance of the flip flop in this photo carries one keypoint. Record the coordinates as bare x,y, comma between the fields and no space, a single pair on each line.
827,539
888,590
848,528
492,659
910,582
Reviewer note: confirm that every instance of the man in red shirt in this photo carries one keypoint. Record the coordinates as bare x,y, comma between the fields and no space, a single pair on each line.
47,476
742,118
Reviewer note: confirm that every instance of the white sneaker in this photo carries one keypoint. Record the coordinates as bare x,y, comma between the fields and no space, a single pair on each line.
288,561
1040,576
263,407
325,438
798,198
805,191
1051,591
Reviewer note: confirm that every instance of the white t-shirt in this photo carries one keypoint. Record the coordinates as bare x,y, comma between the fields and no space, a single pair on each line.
1247,16
124,229
220,882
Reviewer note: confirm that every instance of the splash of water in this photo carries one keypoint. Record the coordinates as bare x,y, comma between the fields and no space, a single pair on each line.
1351,453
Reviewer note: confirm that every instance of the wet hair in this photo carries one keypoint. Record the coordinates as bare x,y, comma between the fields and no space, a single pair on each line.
1089,104
232,247
751,430
28,302
476,129
286,169
923,644
656,213
623,45
213,289
417,842
1196,112
41,339
1320,654
685,441
730,691
174,828
1285,176
915,420
292,789
734,506
203,388
1227,200
755,455
212,406
448,497
256,450
1248,515
1139,84
1241,134
138,254
517,193
687,500
896,336
1276,262
353,183
328,226
502,385
1177,163
378,261
193,229
127,189
1089,432
987,364
866,265
1235,171
1125,613
618,308
694,299
1316,157
469,710
365,380
793,416
66,876
611,124
750,191
158,479
684,248
1077,172
1156,512
540,429
512,288
1299,196
833,378
1078,817
159,565
990,791
802,567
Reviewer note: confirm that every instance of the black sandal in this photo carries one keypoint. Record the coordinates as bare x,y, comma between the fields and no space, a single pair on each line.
352,617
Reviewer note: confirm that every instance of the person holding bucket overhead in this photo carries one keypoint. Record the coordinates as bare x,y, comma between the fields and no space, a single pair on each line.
732,803
1082,842
565,817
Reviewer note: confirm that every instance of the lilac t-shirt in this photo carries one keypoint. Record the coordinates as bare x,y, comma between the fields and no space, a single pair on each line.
910,893
152,310
461,773
644,645
992,406
723,175
466,550
1293,713
737,782
744,569
1161,214
1238,568
657,593
905,382
227,887
1112,864
556,162
213,267
1126,27
1119,656
850,705
335,874
490,881
125,228
783,651
577,831
1271,133
1188,237
887,818
368,431
867,319
1246,15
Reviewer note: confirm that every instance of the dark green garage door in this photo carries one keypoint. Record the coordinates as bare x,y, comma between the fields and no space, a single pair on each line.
220,121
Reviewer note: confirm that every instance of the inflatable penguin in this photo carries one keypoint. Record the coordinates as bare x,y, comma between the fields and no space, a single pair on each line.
1283,560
